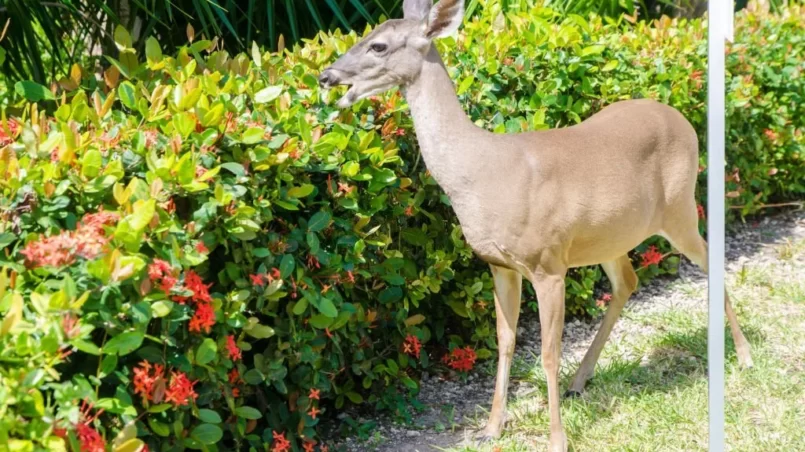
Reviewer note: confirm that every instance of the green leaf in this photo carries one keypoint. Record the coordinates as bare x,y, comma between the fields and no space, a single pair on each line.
593,50
390,295
209,416
91,163
128,95
327,308
301,191
152,51
319,221
161,308
320,321
33,91
159,408
300,306
158,427
124,343
253,135
253,377
286,266
267,94
248,412
206,351
465,85
207,434
611,64
122,38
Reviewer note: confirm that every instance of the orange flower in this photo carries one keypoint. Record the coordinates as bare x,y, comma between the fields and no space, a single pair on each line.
203,319
258,280
606,298
233,376
461,359
314,394
180,389
145,381
308,446
87,241
650,257
313,412
89,438
280,443
194,282
232,350
158,269
412,346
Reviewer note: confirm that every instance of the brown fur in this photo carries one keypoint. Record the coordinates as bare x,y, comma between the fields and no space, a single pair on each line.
535,204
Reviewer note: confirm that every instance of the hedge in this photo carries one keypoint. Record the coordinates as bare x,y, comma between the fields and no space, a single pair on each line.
201,251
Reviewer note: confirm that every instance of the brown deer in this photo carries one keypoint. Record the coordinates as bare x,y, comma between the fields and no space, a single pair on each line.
535,204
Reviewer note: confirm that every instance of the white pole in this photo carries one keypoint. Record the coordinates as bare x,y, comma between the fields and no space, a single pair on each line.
717,32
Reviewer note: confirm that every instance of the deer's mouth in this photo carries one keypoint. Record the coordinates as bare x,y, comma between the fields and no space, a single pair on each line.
331,78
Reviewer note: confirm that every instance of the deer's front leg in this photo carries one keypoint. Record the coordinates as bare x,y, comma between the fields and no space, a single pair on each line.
508,287
550,290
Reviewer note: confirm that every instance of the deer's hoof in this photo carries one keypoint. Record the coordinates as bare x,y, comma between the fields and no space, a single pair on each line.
486,436
572,394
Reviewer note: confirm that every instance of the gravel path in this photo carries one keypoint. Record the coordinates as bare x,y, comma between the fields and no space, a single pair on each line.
439,426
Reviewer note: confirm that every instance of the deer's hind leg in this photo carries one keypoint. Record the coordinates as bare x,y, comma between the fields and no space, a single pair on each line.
683,233
623,279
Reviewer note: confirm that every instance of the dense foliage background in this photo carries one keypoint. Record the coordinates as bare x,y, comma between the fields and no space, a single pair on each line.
201,250
42,39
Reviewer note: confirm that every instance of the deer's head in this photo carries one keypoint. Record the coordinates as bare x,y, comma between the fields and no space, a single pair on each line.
393,54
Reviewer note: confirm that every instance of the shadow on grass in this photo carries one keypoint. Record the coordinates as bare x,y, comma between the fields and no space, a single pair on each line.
676,360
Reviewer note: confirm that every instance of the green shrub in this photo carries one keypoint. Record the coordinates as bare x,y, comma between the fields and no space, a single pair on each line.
208,251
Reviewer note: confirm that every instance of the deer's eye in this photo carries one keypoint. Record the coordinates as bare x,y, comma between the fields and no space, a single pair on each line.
378,47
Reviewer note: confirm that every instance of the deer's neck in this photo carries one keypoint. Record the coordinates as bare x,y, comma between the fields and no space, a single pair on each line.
443,129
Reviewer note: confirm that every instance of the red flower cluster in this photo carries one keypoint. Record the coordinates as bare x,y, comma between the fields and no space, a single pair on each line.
162,274
261,279
89,438
150,385
180,389
232,350
461,359
412,346
650,257
145,381
201,291
13,128
604,300
203,319
87,241
281,444
700,211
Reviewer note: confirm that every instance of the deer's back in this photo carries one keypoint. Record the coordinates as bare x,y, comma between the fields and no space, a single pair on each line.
599,187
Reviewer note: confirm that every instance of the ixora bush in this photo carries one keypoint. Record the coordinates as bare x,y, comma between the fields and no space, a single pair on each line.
202,252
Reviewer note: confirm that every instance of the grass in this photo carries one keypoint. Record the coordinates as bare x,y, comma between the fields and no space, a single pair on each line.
650,389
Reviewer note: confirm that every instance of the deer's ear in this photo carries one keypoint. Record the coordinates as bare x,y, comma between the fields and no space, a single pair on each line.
416,9
445,18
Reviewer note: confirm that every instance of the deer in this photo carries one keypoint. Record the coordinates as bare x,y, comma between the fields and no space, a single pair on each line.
535,204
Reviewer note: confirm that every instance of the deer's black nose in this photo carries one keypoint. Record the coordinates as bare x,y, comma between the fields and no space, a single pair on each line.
327,79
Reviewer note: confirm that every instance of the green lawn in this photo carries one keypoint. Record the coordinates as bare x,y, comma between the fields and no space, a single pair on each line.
650,389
